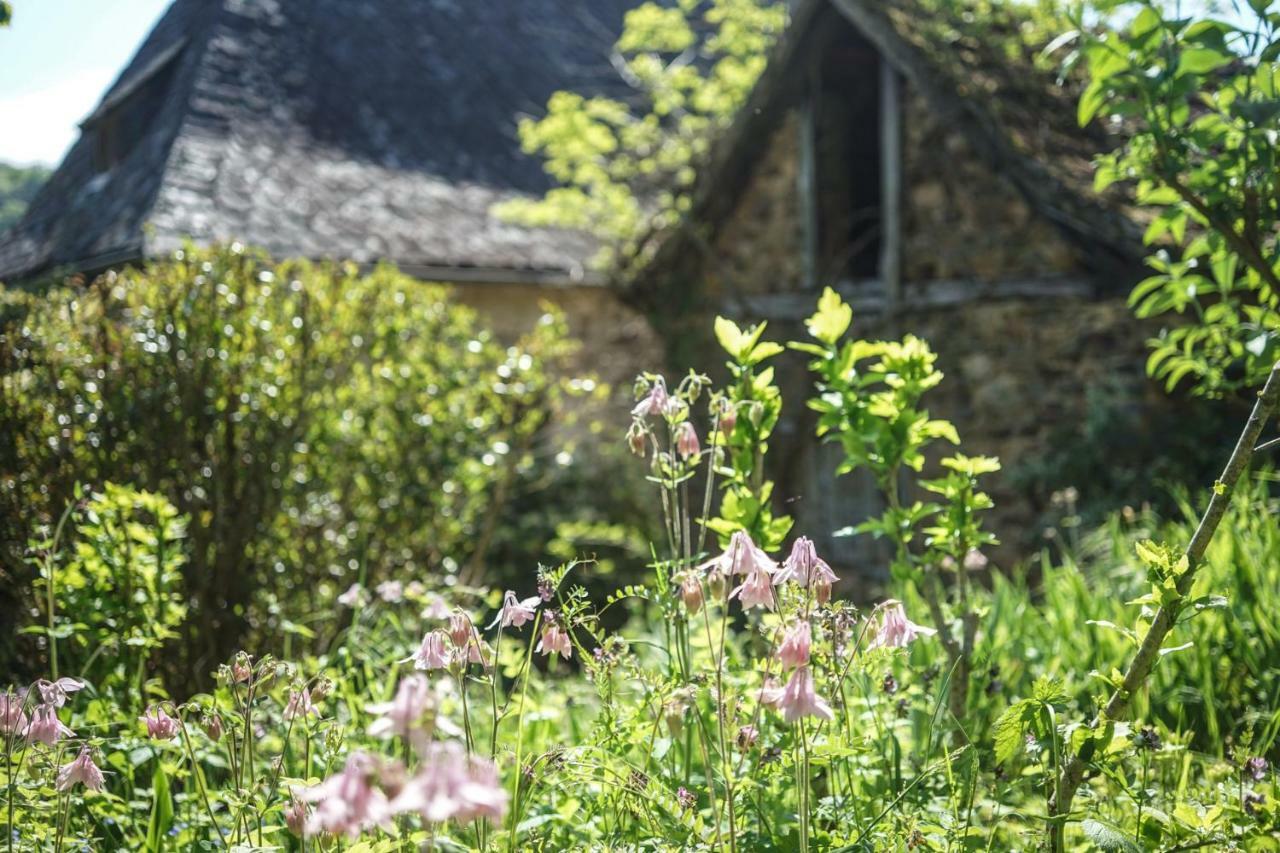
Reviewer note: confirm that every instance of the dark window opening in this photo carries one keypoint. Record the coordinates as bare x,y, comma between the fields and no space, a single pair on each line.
121,121
848,161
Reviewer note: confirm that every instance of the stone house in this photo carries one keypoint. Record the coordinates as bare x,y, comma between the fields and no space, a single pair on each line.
930,173
925,167
349,130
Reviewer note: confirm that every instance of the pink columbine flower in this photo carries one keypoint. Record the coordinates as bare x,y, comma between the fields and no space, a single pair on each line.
747,737
45,727
13,720
691,593
728,417
896,630
80,771
295,815
460,628
687,440
655,402
793,651
755,591
742,557
799,698
770,694
56,692
515,613
449,785
300,705
805,567
241,668
431,654
554,640
349,801
355,596
160,726
390,591
403,714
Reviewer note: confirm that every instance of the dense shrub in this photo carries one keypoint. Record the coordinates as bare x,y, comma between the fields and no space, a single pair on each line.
317,425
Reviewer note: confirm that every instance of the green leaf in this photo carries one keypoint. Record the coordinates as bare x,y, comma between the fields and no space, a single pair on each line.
1199,60
1011,728
1107,837
1091,101
729,336
832,318
161,811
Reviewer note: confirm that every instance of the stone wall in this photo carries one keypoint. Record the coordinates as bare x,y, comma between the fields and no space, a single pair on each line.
617,341
959,219
758,249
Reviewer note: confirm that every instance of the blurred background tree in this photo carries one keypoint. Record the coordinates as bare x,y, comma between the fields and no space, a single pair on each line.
18,185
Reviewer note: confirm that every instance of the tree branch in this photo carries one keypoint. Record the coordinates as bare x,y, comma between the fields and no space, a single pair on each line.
1117,707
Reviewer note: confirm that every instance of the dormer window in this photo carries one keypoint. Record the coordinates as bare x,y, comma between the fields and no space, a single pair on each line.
848,161
121,121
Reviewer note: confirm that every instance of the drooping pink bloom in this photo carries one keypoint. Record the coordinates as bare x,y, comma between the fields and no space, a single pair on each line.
349,801
390,591
212,726
56,692
636,438
241,668
747,737
431,654
300,705
793,651
975,560
687,440
555,640
896,630
160,726
450,785
460,628
45,727
514,612
655,402
770,694
728,417
355,596
295,815
755,591
805,567
691,593
403,714
742,557
799,698
81,771
13,719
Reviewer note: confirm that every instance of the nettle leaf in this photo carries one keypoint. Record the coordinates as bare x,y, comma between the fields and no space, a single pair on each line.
1107,837
1011,729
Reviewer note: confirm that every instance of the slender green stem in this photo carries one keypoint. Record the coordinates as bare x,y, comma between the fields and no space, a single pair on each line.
196,772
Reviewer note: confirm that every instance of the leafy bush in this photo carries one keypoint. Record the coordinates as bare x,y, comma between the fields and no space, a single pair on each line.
110,587
316,425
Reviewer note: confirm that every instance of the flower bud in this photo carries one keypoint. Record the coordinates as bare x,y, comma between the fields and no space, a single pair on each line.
636,439
822,591
211,725
687,440
691,594
716,583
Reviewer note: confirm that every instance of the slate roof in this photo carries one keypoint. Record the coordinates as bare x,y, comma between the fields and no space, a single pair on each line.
353,129
975,70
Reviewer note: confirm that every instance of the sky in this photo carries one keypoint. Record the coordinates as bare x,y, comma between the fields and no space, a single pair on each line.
56,61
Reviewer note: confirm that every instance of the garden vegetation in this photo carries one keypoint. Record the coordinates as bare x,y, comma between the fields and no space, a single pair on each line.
269,624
